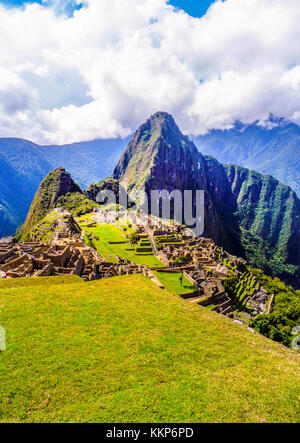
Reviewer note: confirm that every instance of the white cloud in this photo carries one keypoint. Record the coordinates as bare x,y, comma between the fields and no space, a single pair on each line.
103,71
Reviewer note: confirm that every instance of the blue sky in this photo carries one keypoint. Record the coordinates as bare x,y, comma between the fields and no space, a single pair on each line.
68,8
196,8
17,2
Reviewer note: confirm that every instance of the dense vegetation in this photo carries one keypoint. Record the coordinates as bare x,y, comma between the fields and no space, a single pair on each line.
285,314
122,350
268,215
77,203
57,184
270,151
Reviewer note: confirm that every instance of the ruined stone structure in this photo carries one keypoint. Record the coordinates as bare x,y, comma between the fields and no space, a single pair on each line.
66,254
202,262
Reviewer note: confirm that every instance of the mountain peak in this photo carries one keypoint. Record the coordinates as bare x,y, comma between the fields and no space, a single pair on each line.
157,141
161,124
56,184
160,118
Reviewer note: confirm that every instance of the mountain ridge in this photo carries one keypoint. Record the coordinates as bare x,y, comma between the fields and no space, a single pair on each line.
243,209
273,149
251,215
25,164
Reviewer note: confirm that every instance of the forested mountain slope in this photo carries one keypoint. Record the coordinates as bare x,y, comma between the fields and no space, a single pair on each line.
274,151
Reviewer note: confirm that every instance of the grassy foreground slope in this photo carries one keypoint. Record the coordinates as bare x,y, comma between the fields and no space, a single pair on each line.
8,283
123,350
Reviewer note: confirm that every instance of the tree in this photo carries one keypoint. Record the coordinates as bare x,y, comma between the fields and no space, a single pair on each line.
133,238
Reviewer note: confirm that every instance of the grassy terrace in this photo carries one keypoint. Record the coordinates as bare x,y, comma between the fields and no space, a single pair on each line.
172,283
110,233
46,228
122,350
7,283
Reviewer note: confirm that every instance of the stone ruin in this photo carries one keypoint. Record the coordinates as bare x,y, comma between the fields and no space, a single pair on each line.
68,254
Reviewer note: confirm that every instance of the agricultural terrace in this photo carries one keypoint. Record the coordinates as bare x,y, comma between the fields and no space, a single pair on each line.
110,241
172,282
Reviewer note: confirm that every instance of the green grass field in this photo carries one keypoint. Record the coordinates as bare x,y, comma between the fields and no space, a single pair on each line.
7,283
172,283
122,350
110,233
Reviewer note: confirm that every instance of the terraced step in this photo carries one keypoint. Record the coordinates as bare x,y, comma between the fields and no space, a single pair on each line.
191,296
195,299
227,311
225,304
223,299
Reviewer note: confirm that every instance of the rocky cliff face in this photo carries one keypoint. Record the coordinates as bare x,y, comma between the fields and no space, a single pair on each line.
57,184
250,214
150,157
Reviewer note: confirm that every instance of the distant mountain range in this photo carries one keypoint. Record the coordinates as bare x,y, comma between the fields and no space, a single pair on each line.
273,149
23,165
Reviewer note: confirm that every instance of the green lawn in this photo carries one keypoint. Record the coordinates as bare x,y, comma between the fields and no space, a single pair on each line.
7,283
122,350
172,283
111,233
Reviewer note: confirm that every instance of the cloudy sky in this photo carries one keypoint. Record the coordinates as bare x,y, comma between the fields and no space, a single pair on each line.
80,70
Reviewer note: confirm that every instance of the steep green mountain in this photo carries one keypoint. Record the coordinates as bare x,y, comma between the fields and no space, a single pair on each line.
250,214
274,151
56,185
160,157
23,166
269,217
